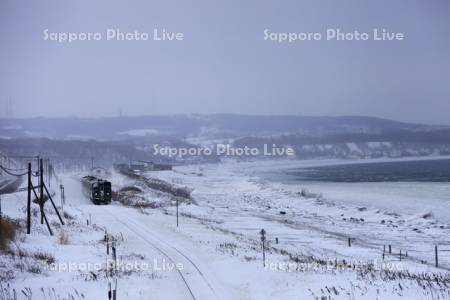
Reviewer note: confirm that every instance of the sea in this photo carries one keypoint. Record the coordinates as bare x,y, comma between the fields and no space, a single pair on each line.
410,186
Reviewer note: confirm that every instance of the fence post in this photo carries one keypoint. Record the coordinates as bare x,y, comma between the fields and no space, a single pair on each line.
436,261
263,239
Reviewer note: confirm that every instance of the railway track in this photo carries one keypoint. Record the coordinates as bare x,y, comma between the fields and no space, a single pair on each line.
193,278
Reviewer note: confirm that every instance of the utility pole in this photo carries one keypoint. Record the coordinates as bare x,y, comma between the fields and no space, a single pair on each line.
41,189
263,239
29,200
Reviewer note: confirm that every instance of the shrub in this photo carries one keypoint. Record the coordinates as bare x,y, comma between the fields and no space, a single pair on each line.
7,233
68,216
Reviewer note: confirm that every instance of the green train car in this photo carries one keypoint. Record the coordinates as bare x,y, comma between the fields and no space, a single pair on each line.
98,190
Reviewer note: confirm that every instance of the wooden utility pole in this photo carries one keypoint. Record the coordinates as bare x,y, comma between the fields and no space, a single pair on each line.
40,200
29,200
41,189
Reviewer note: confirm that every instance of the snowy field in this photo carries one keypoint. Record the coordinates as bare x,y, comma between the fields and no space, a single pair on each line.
216,253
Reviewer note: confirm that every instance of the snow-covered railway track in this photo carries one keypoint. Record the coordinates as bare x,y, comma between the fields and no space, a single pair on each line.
192,277
189,260
163,253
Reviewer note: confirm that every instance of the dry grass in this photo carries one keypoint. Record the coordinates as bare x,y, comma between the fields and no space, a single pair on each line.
7,233
44,257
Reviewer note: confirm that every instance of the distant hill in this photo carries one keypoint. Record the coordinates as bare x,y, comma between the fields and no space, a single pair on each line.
213,126
75,141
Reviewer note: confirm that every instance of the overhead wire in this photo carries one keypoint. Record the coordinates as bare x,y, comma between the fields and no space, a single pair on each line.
8,171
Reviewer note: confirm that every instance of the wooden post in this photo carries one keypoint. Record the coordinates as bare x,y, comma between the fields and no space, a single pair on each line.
400,255
349,242
276,241
436,261
41,189
263,239
177,211
264,253
390,249
29,200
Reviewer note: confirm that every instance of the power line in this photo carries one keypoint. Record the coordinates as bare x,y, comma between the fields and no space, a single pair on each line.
12,174
9,169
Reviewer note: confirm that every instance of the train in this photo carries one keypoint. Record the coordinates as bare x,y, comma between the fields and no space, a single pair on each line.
96,189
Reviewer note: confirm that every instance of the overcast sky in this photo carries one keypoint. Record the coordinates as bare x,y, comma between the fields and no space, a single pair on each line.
224,64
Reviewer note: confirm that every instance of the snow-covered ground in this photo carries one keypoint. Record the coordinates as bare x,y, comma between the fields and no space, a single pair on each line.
216,253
